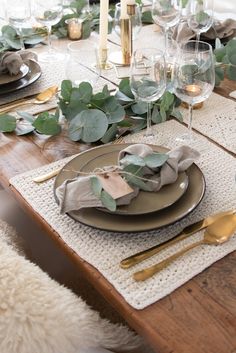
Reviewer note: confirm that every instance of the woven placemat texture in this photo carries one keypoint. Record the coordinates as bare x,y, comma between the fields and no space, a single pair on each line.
104,249
217,120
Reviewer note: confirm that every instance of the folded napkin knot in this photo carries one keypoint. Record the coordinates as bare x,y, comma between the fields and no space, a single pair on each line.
139,168
220,30
11,62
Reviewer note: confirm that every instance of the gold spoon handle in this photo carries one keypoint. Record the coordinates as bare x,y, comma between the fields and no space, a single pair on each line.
150,271
13,106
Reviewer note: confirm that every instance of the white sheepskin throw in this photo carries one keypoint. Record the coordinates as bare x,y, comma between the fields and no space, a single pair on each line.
37,315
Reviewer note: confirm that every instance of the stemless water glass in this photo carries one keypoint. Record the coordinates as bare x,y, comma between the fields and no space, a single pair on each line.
48,13
200,16
18,12
166,13
148,79
136,20
194,77
82,64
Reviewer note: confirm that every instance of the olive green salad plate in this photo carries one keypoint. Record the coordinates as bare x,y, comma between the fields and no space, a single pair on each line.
149,210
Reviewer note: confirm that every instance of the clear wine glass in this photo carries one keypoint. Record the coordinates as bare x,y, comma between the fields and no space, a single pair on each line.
82,64
194,77
49,13
18,12
148,80
166,13
200,16
136,20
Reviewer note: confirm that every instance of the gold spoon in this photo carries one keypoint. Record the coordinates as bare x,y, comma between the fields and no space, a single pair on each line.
185,233
217,233
41,98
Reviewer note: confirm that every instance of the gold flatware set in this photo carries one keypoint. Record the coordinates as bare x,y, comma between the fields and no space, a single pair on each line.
219,228
41,98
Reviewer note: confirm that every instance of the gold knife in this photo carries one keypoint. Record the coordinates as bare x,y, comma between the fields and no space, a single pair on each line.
186,232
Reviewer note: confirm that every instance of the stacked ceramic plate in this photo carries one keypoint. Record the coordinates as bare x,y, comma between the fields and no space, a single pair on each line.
149,210
28,74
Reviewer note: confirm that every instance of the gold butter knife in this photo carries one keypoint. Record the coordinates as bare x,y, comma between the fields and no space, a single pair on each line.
186,232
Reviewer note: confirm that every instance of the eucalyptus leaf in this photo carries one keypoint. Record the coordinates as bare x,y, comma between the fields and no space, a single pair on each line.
124,87
89,126
82,93
156,116
155,160
167,100
139,108
96,186
108,201
113,110
7,123
132,159
177,114
147,17
220,53
66,89
47,124
231,72
110,134
24,129
163,114
26,116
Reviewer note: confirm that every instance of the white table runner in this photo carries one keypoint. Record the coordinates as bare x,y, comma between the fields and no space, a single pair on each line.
104,250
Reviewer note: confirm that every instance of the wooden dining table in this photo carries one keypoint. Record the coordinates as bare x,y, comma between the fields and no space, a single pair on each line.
198,317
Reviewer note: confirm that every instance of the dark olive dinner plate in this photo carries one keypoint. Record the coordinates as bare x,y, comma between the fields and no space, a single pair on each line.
132,223
7,78
33,75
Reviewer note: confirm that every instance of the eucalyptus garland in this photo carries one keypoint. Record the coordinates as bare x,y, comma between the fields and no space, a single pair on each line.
92,117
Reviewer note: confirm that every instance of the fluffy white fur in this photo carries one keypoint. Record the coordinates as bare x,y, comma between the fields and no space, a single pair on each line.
37,315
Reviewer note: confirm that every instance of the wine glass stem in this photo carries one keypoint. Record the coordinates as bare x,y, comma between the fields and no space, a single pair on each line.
22,46
149,120
166,32
49,30
197,41
190,116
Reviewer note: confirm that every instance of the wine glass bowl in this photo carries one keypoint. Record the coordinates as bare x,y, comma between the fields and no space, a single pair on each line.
148,78
48,13
17,13
200,15
193,76
83,63
166,13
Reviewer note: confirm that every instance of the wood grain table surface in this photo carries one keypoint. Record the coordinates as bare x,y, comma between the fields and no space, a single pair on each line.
199,317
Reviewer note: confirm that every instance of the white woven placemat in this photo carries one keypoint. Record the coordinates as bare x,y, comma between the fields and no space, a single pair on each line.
104,250
217,120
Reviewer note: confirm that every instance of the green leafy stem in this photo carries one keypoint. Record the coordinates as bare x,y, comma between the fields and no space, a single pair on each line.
91,117
134,174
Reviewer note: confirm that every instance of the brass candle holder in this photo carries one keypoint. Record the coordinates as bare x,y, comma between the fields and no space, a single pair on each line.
102,56
123,58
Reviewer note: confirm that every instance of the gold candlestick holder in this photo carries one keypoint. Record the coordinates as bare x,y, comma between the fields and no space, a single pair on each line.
102,56
123,57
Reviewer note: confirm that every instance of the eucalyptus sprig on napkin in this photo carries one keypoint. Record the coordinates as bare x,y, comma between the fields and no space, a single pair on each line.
138,168
92,117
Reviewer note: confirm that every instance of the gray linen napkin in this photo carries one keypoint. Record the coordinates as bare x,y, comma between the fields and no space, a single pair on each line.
218,30
11,62
77,193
